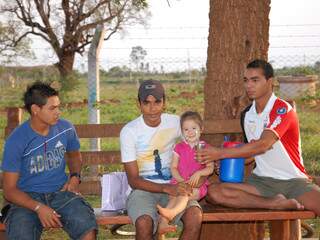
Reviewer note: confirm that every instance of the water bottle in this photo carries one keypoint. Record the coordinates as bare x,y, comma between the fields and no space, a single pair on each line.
232,169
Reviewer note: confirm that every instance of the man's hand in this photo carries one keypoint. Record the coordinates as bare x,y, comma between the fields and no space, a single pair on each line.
178,189
194,179
171,189
207,155
184,189
48,217
216,168
72,185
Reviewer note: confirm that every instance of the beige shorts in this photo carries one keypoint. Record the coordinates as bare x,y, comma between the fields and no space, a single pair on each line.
140,203
291,188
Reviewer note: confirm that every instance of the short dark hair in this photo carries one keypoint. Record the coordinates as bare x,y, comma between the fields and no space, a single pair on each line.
38,93
264,65
190,115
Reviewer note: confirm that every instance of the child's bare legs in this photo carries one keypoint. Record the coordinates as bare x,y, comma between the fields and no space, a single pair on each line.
175,206
164,226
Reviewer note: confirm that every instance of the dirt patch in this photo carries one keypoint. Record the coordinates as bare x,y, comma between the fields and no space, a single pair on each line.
188,95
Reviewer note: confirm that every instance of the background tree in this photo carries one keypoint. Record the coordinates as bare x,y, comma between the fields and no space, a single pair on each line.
137,56
10,50
68,25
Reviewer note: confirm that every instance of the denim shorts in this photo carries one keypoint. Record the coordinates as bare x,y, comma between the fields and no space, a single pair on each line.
77,216
140,203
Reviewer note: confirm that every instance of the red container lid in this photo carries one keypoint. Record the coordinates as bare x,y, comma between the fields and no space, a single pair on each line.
230,144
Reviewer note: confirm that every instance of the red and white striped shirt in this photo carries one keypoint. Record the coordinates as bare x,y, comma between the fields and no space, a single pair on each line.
284,159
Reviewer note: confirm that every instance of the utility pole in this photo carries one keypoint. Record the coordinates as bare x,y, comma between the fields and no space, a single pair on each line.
189,68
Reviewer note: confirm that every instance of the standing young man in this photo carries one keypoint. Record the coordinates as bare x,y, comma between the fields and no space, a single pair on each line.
34,179
271,126
146,151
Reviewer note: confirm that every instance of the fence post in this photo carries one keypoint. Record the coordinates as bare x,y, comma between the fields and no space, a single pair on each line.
14,116
94,88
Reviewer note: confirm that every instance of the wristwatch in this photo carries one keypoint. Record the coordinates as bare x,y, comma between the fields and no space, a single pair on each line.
75,175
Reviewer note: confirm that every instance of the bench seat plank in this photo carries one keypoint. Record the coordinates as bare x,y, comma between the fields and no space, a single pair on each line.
214,213
219,214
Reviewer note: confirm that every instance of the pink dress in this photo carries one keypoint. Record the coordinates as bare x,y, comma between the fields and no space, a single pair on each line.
188,165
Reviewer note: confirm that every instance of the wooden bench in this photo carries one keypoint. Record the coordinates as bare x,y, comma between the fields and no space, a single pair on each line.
220,222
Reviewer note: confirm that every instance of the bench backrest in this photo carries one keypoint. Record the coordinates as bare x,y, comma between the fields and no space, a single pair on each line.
214,130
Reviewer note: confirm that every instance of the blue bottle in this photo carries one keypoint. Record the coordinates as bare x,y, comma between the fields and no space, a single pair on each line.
232,169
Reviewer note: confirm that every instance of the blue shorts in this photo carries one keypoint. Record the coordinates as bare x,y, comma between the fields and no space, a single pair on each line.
77,216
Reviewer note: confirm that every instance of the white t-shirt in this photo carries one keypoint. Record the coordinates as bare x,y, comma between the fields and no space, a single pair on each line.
151,147
284,159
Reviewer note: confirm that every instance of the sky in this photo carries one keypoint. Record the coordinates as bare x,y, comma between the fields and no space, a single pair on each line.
303,27
177,34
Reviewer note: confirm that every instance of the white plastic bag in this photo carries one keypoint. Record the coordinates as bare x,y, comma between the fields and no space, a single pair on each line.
115,190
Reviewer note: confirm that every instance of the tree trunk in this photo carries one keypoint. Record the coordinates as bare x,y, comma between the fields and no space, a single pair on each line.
65,67
239,33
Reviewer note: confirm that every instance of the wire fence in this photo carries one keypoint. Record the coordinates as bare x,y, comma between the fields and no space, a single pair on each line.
176,70
289,85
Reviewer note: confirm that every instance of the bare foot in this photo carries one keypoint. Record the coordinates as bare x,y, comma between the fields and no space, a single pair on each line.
166,212
281,202
164,226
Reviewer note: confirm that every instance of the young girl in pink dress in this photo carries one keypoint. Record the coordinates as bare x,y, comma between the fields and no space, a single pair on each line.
185,168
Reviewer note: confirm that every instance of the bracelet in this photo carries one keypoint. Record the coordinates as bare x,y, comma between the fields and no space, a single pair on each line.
36,209
75,175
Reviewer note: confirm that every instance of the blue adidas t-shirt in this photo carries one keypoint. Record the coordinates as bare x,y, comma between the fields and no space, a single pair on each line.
40,159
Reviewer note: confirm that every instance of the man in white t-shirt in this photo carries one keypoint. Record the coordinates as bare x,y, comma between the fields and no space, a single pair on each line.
146,152
271,126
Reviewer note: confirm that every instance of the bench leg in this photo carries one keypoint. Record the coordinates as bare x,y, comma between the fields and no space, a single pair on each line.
279,230
232,231
285,230
3,236
295,229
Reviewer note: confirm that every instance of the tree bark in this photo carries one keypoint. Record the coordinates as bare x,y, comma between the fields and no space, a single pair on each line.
65,67
239,33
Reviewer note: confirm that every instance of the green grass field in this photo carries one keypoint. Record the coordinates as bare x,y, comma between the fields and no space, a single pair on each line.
118,105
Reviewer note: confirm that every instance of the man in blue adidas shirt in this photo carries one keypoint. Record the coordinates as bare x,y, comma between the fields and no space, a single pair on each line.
34,179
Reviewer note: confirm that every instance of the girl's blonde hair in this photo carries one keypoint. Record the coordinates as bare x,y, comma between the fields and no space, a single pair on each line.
190,115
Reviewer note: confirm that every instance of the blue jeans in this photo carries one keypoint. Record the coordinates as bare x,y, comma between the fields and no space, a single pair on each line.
77,216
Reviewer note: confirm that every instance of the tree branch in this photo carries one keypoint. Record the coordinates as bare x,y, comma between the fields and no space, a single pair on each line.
80,48
93,10
54,40
16,41
66,10
102,21
49,9
25,17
